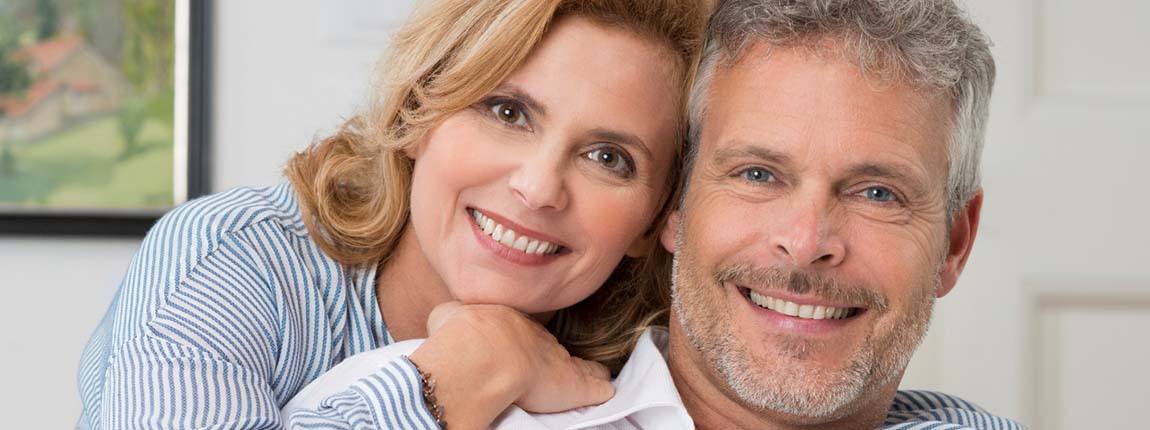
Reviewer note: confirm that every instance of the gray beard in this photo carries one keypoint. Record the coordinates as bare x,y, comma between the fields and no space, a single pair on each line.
796,389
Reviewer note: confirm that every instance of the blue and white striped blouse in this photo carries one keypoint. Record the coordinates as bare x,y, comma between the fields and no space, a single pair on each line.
227,310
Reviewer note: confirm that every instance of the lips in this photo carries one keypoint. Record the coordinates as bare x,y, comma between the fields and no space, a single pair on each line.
512,239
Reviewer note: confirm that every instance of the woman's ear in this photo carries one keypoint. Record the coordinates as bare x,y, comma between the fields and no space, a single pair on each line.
413,150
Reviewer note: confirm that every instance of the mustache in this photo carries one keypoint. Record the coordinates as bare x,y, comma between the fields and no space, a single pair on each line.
799,282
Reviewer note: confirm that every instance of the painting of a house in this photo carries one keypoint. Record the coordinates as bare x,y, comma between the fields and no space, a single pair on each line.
86,104
73,83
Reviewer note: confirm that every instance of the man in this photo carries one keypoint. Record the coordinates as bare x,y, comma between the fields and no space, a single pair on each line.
831,194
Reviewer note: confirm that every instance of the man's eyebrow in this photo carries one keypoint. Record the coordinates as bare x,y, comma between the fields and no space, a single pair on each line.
748,150
886,171
517,93
624,138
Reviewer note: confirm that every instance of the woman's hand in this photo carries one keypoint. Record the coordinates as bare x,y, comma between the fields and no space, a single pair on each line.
487,357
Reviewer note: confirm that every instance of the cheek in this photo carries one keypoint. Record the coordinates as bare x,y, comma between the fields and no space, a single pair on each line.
612,220
725,229
612,223
901,262
449,163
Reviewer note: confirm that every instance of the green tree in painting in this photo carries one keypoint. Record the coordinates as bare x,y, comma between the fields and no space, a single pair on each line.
147,59
148,53
7,162
14,77
49,19
132,116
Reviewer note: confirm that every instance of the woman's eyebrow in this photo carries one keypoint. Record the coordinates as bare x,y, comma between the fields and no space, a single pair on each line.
624,138
517,93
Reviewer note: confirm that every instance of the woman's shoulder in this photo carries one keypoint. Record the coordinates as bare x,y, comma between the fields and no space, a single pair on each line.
227,212
264,219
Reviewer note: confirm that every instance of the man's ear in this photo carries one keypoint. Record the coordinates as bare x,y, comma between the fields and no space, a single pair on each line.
963,229
670,231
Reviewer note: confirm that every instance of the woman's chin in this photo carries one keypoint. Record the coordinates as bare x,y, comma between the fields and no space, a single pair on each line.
523,300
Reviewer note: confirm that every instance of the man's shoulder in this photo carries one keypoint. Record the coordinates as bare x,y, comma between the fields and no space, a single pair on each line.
917,409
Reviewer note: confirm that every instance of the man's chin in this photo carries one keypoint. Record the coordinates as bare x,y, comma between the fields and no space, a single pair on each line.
805,385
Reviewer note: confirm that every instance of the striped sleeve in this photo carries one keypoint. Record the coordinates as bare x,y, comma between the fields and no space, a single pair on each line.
921,410
209,353
389,399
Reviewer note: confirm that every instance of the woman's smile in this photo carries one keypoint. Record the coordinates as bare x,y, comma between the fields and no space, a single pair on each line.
512,241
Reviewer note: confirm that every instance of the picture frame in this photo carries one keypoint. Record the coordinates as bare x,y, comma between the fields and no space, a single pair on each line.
131,169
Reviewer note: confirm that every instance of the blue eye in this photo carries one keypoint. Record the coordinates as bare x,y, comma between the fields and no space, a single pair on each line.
758,175
880,194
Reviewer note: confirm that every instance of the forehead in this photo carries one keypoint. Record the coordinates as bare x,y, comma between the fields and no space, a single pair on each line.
583,69
820,104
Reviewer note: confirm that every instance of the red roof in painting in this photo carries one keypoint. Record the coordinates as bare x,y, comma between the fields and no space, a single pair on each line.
47,55
36,94
43,57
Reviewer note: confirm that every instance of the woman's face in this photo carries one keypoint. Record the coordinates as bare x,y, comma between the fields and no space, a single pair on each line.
531,197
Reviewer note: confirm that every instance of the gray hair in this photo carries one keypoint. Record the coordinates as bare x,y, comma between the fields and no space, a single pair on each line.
930,44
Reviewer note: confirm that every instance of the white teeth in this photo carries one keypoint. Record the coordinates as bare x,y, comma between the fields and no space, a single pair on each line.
510,238
520,243
820,312
806,311
811,312
791,309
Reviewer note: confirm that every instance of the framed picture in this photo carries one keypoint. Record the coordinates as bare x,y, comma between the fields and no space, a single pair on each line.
104,118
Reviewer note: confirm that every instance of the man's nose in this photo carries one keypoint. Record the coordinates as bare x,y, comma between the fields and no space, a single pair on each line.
806,237
538,181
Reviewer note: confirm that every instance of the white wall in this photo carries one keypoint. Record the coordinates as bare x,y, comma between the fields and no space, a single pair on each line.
285,72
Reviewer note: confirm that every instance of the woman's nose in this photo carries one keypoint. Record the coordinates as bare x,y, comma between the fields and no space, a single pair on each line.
538,182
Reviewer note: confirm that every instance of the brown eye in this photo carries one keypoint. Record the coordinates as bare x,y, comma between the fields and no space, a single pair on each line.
612,160
509,113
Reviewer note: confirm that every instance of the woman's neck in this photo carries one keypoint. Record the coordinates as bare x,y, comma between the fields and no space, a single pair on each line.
408,288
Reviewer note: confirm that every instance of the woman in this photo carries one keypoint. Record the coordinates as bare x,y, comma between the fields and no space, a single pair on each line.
532,142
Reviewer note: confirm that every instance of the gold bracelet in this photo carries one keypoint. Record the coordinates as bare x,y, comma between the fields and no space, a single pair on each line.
433,405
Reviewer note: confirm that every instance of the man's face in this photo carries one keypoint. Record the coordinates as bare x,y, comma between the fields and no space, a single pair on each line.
813,238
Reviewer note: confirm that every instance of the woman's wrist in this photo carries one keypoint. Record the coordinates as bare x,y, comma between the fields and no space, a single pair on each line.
429,398
470,389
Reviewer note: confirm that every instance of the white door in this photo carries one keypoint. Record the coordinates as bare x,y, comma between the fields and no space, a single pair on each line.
1051,321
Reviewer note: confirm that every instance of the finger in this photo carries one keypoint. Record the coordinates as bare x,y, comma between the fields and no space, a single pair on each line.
594,369
596,382
440,315
598,391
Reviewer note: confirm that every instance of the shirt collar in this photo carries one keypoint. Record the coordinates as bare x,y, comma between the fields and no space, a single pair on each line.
645,396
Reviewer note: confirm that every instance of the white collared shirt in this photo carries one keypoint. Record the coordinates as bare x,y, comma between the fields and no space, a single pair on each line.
645,395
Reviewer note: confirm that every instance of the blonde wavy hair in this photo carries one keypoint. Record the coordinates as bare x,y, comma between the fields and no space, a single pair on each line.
354,186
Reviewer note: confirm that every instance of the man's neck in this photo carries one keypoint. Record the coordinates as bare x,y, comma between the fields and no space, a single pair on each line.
712,406
408,288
